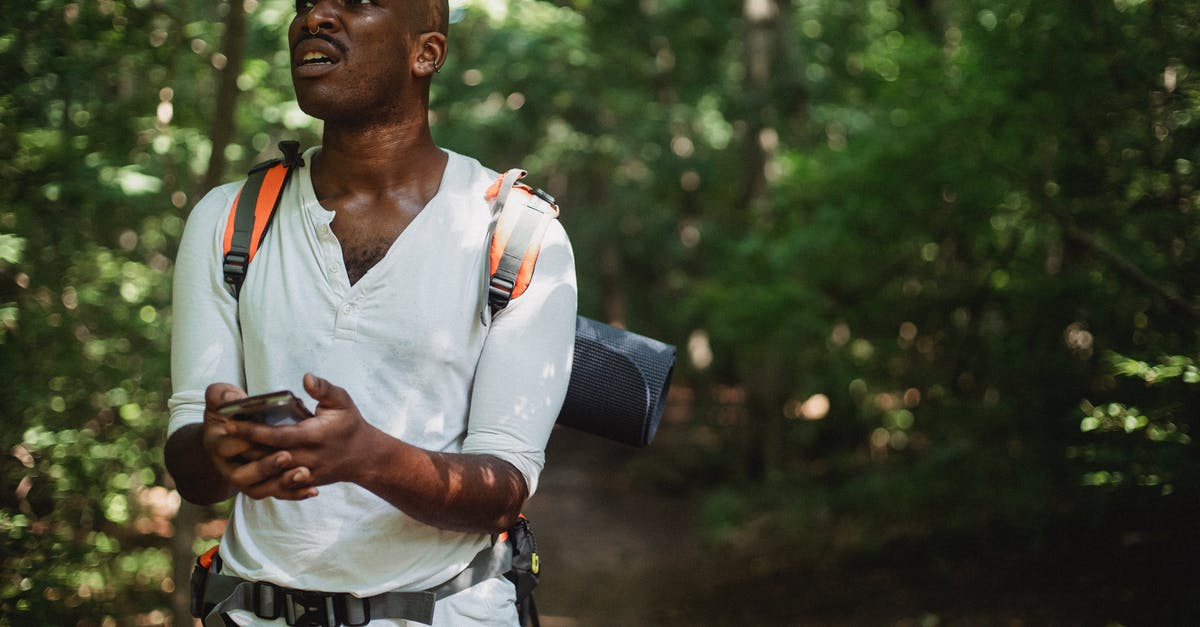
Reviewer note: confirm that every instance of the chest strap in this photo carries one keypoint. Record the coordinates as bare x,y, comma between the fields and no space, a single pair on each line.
225,593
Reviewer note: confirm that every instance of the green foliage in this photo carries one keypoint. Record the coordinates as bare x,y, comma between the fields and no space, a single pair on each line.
894,241
103,129
977,200
1130,448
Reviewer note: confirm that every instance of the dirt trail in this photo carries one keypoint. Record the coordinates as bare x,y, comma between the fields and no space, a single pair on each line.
616,554
612,554
619,554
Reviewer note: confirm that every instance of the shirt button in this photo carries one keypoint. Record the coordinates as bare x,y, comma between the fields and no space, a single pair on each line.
334,267
348,308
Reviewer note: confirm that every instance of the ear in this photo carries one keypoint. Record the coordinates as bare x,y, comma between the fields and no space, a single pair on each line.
431,54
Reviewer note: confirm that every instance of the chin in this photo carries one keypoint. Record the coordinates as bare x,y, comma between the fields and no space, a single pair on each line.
331,110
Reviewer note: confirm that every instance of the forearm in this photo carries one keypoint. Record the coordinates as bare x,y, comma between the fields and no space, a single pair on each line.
196,478
460,492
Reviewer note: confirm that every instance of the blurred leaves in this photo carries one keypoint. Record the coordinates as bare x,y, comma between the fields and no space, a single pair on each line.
895,241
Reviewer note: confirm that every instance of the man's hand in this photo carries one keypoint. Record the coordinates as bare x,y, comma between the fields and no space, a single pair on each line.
253,469
463,492
330,447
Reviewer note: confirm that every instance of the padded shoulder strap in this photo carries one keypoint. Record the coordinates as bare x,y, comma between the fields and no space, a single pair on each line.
253,210
522,215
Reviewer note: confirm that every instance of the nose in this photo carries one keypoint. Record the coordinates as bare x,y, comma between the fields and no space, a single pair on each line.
322,16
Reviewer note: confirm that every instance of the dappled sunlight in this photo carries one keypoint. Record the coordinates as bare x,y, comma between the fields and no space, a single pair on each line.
699,351
931,266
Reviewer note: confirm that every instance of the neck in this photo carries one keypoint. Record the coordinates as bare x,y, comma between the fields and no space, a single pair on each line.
378,157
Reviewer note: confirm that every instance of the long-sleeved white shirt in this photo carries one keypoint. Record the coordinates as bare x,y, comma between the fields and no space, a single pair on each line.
405,341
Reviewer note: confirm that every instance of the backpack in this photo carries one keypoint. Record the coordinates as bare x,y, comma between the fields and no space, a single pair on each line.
619,379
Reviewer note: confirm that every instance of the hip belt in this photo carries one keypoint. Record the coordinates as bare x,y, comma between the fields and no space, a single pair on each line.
214,595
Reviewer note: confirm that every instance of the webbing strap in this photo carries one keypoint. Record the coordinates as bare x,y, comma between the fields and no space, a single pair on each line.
487,564
253,211
248,220
241,597
515,239
225,593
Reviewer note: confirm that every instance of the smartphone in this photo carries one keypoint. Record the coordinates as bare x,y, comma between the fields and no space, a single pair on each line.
273,408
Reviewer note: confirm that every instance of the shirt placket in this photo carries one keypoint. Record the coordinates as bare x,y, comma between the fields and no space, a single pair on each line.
347,300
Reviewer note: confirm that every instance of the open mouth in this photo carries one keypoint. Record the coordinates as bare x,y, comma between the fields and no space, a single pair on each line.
315,58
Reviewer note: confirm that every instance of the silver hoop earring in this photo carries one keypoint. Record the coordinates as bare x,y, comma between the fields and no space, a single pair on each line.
314,31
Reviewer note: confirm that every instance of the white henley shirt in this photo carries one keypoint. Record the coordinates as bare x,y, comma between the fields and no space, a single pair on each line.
405,341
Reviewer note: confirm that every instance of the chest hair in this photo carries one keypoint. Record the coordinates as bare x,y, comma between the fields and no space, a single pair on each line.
361,256
366,236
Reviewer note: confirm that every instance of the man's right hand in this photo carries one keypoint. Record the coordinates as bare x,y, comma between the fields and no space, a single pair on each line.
210,465
248,468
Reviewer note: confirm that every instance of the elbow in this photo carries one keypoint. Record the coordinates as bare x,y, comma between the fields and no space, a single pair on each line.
196,491
506,521
195,478
517,492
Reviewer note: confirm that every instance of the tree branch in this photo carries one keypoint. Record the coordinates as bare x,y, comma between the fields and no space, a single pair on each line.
1128,270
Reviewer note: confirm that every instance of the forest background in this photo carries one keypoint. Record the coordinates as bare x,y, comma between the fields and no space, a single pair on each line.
933,267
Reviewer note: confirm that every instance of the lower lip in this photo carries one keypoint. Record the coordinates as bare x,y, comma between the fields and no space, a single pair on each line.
313,70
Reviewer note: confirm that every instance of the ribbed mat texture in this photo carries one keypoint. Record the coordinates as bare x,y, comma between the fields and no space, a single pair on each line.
619,383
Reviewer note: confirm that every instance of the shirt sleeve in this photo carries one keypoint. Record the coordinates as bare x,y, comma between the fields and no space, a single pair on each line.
206,343
525,366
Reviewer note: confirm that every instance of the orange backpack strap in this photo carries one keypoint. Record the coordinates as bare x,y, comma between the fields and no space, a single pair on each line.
253,210
522,215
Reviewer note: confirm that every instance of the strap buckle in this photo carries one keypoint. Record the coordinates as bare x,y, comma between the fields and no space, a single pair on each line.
500,291
303,608
235,267
265,599
540,193
353,611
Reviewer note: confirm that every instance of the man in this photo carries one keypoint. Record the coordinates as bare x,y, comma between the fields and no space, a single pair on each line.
429,428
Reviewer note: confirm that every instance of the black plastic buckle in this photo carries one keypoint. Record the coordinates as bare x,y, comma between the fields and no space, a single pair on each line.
500,291
309,609
353,611
235,263
265,598
540,193
291,154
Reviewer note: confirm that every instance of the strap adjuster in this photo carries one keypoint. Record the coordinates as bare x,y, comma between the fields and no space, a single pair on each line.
544,195
266,600
234,268
500,291
303,608
236,262
353,611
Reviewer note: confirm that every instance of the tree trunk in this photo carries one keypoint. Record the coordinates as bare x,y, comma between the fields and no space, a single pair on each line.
759,16
182,558
234,46
765,432
222,129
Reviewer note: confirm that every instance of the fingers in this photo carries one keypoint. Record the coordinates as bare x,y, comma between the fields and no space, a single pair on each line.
247,454
272,437
273,477
291,485
219,393
297,478
243,476
327,394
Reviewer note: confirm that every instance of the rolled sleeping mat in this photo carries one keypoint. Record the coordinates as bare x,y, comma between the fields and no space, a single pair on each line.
619,383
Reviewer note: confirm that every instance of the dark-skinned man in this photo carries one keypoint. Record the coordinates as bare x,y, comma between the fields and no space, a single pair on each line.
429,428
